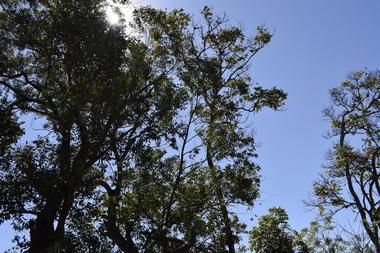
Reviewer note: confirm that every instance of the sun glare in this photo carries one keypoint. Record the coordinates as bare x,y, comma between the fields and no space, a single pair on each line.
121,14
112,16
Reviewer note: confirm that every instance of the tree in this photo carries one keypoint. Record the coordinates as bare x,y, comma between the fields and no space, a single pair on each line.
210,61
323,238
143,148
272,233
326,236
61,62
224,93
351,179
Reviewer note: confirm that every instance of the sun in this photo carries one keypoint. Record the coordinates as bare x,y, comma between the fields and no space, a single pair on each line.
120,14
112,17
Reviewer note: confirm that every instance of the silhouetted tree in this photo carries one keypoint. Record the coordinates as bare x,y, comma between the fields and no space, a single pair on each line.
210,61
61,62
143,148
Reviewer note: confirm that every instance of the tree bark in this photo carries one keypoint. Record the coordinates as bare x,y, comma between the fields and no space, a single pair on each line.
42,233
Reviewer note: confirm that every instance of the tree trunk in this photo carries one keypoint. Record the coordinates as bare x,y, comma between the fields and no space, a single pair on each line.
42,234
124,243
230,241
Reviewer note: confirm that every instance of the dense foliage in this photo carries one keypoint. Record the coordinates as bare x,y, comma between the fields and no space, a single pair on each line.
272,233
143,146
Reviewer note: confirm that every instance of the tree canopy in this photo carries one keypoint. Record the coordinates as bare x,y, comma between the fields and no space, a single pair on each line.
143,147
146,139
351,180
272,233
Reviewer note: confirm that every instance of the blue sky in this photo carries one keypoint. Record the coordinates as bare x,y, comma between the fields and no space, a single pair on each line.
315,44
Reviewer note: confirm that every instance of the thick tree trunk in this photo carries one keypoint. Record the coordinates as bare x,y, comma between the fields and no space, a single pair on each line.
44,237
42,234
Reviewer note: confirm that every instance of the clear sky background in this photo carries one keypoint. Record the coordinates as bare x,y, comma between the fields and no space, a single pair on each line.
315,44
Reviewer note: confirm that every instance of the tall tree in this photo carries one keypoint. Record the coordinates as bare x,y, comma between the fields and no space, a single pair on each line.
215,68
61,62
145,148
351,180
215,154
